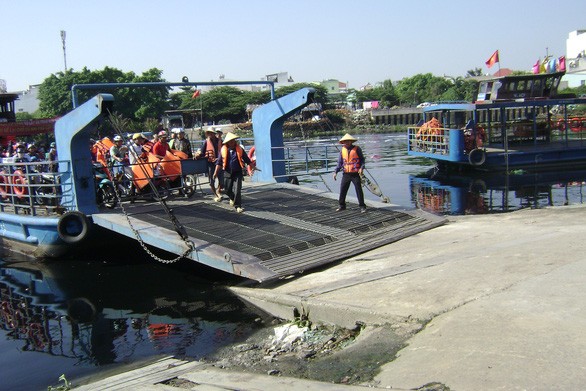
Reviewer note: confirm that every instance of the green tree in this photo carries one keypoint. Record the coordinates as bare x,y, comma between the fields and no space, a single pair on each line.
429,88
137,104
387,94
474,72
462,89
227,103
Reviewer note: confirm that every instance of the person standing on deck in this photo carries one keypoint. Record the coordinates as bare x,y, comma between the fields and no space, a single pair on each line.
220,172
351,162
51,157
233,159
117,157
135,148
210,150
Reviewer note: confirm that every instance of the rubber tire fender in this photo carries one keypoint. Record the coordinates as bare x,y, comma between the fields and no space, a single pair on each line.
477,157
73,227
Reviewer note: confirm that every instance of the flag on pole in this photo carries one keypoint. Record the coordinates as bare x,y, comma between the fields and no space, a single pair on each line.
536,67
195,94
543,65
552,65
562,64
493,59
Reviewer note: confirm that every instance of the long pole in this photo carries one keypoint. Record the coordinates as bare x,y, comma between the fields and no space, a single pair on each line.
64,53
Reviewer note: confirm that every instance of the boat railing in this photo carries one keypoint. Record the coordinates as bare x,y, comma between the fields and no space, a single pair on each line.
31,188
309,159
429,140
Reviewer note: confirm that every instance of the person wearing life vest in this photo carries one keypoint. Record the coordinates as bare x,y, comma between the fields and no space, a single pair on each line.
220,136
210,150
351,163
233,159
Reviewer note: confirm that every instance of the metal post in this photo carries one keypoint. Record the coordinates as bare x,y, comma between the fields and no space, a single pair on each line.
63,33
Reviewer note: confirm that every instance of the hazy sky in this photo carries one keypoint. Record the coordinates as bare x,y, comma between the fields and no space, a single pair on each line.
360,41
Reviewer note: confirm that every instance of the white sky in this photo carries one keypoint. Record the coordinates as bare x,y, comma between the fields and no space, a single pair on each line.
360,41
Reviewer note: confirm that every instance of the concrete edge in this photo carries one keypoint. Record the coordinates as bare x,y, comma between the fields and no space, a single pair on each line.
286,306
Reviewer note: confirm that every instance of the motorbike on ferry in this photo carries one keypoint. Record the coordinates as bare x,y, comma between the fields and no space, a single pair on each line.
46,188
105,192
127,186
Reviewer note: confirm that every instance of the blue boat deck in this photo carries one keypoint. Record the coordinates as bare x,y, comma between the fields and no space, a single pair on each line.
285,229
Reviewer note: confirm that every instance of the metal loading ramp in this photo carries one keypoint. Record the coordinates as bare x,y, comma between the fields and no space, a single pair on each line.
284,230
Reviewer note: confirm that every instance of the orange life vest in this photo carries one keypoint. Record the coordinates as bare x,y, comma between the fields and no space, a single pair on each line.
211,151
351,159
239,152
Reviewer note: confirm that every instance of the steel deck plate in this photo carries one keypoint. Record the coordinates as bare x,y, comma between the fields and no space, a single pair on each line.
284,230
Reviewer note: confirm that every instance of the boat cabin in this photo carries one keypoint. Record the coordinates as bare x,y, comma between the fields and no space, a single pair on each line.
532,86
516,121
7,112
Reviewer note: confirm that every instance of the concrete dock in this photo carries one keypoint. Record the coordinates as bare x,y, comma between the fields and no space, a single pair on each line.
486,302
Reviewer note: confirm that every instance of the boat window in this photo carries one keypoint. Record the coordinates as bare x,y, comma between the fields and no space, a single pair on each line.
529,86
537,88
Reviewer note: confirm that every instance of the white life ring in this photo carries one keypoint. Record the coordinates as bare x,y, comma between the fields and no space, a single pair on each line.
72,227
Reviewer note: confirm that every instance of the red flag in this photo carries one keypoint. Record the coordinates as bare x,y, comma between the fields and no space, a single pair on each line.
493,59
195,94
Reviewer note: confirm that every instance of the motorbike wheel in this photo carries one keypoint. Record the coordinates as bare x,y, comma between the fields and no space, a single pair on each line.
163,192
44,197
189,184
107,196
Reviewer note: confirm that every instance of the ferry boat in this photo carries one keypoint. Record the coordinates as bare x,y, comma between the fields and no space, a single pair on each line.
515,122
45,205
286,228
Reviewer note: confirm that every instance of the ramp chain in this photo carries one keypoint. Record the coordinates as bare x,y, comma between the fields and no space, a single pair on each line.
189,243
180,229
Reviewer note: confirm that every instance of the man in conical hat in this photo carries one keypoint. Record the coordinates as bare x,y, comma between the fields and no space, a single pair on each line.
351,163
233,159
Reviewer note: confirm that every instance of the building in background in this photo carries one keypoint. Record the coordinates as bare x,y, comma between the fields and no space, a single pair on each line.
334,86
28,100
575,59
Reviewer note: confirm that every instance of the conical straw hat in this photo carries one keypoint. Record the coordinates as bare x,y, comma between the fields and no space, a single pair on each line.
347,137
230,136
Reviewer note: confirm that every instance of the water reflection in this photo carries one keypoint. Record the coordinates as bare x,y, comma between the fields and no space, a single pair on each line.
457,194
94,314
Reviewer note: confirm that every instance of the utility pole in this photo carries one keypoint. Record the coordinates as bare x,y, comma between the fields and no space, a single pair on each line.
64,54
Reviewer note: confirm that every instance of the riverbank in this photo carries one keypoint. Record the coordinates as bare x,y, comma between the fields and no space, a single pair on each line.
483,302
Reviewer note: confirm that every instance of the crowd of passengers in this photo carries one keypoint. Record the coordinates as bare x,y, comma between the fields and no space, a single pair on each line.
134,151
21,152
226,159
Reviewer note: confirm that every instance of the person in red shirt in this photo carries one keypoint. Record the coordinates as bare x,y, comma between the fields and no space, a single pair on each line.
161,146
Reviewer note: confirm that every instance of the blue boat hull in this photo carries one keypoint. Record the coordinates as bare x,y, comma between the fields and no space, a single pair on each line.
33,235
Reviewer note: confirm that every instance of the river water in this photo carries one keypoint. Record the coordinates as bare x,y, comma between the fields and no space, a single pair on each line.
88,315
413,182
